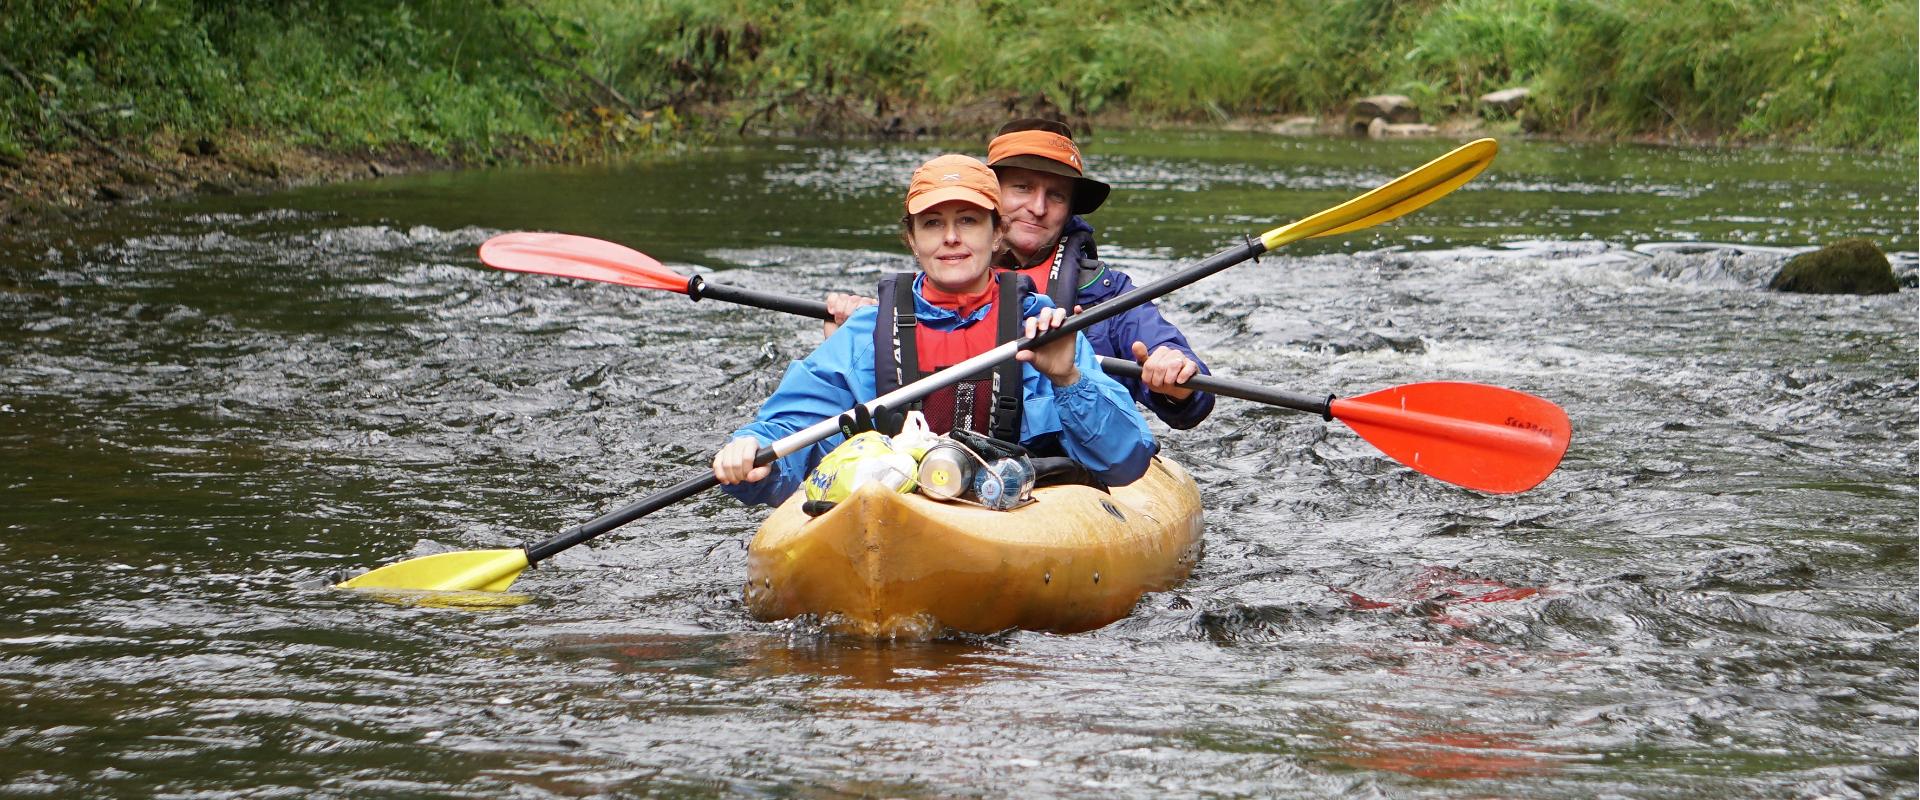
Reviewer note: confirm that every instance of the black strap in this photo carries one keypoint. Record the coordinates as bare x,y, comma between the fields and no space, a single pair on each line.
1003,420
896,360
1064,471
904,327
987,447
1063,280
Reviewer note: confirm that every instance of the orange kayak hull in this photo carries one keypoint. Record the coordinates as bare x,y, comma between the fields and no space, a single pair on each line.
888,565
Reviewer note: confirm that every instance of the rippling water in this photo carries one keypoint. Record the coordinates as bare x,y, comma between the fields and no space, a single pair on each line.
208,410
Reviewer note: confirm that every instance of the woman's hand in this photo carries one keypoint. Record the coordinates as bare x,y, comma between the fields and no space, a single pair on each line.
1163,371
1055,360
841,306
734,463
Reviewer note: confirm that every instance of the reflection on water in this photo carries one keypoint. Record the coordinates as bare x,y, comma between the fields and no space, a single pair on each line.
208,411
935,666
1449,755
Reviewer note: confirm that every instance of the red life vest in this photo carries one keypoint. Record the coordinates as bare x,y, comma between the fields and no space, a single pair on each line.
987,403
1041,272
1058,277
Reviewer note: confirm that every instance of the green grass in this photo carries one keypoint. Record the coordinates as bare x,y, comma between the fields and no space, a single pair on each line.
590,78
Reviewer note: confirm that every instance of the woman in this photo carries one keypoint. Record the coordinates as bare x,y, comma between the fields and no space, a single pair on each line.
1065,404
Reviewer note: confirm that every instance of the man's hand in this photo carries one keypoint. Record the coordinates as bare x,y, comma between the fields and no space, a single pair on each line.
1164,370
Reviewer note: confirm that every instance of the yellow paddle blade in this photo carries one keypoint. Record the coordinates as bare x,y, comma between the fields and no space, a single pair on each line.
1408,193
461,600
464,571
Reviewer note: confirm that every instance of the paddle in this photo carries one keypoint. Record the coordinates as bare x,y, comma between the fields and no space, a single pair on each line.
1457,434
495,570
593,259
1468,434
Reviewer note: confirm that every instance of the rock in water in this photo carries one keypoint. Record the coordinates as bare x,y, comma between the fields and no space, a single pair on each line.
1849,266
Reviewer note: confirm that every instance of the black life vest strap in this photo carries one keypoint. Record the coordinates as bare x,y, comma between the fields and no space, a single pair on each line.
1003,420
1060,276
1063,280
896,342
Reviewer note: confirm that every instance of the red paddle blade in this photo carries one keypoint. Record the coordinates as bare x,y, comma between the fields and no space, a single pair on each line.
579,257
1481,437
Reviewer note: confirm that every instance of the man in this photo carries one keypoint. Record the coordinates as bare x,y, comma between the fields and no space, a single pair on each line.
1044,191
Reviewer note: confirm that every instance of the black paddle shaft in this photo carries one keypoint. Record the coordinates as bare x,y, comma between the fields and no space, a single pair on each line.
1140,295
623,515
1323,407
698,287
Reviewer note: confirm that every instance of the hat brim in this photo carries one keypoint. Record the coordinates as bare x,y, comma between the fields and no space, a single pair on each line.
1088,193
943,194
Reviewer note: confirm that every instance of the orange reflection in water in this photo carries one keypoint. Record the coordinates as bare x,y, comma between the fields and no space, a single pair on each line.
1451,755
936,666
849,662
1437,591
1438,749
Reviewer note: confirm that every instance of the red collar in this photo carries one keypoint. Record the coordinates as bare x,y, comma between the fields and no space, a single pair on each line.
963,305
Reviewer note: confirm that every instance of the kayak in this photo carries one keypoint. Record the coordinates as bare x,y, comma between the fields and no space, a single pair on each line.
889,565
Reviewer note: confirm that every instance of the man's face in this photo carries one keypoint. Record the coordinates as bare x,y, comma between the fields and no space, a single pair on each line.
1034,205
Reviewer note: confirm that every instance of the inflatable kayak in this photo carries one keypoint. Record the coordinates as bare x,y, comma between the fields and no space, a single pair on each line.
885,564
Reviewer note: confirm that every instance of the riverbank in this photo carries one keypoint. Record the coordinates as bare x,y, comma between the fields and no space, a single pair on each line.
38,189
41,188
108,103
68,186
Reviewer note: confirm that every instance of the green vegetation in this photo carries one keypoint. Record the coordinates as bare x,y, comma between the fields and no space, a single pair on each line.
451,78
580,78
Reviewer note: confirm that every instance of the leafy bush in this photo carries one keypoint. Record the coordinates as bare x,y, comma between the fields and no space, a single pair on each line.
467,78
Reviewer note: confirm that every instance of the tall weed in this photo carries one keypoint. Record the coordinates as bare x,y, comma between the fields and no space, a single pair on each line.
458,77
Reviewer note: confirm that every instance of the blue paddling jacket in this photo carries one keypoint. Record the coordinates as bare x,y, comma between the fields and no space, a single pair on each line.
1093,420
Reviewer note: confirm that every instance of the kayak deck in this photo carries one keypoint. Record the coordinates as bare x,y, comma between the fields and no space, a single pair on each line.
884,564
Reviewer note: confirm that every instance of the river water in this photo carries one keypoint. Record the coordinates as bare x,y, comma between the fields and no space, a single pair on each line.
211,409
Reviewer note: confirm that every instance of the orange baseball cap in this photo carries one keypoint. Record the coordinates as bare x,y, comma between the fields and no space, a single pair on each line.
953,177
1046,146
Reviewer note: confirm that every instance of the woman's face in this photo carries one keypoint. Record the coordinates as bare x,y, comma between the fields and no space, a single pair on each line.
954,242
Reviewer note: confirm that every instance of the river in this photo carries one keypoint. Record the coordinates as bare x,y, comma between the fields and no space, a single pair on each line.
210,409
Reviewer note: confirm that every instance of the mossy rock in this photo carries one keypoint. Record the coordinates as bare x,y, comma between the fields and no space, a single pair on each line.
1850,266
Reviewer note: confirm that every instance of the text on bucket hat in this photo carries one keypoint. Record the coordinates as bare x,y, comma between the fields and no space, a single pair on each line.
1041,148
953,177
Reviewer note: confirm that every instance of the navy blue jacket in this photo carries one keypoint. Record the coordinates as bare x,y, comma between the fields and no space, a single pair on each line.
1114,337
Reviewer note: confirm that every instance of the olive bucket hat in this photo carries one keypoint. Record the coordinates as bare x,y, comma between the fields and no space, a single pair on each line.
1047,146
